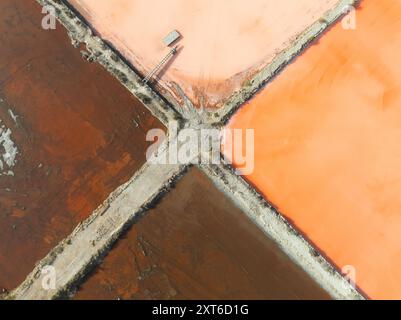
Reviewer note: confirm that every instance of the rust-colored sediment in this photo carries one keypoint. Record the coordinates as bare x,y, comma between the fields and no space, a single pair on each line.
197,245
224,43
327,136
73,127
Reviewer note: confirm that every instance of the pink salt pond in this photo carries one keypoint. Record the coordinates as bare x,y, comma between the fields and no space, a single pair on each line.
223,44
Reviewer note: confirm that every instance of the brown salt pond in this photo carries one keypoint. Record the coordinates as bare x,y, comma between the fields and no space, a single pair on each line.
67,137
327,146
223,45
195,244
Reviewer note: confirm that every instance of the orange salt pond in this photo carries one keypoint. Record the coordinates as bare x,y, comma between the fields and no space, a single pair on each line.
223,44
327,146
